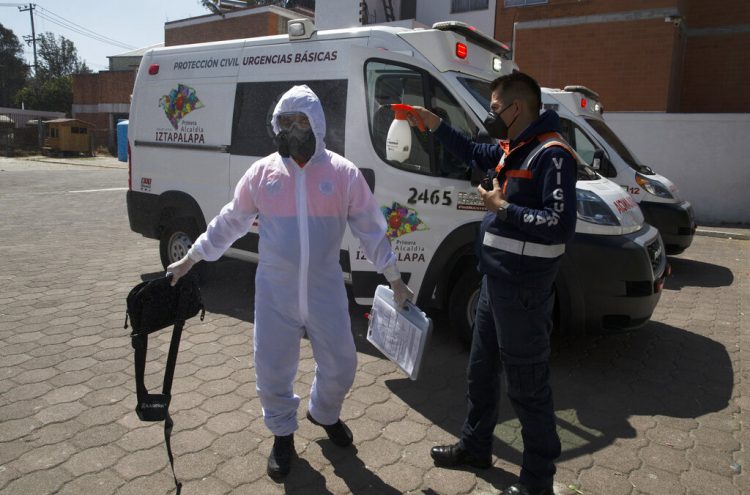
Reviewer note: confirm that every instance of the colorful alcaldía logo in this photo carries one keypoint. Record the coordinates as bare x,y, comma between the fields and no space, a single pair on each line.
178,103
401,220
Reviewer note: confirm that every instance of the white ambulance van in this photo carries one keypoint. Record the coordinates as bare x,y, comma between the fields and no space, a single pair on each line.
581,116
200,116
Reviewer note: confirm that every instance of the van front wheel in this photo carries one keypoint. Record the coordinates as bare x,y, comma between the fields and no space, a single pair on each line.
463,304
176,239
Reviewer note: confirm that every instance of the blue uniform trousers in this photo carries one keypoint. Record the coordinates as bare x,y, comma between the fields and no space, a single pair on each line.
512,337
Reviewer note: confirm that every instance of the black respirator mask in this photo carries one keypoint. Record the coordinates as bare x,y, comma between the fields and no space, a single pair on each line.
296,142
496,127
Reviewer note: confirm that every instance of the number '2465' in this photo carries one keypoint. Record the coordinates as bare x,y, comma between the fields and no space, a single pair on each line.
426,196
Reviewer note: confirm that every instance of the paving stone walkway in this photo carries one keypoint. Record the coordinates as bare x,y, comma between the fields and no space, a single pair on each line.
663,410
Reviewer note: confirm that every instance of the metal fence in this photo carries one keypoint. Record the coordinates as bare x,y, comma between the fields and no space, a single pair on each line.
23,129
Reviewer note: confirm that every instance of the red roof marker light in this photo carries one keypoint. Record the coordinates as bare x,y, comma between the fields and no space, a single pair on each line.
153,69
461,50
583,102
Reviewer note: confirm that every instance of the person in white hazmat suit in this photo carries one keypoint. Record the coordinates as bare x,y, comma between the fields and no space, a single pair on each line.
304,196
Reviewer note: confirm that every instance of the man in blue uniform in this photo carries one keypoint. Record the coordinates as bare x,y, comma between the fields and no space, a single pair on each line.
532,215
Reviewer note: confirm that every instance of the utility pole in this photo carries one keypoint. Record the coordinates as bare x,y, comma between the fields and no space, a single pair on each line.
31,8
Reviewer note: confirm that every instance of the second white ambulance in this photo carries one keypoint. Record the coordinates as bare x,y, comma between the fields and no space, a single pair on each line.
584,127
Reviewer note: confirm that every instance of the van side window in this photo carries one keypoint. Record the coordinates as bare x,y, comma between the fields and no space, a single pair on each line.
252,133
578,140
446,107
389,83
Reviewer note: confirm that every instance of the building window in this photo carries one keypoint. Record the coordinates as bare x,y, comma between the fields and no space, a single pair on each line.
523,3
468,5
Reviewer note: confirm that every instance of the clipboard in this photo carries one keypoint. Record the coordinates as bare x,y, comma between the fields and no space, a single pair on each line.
401,334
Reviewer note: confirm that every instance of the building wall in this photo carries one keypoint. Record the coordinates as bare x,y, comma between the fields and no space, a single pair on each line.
124,63
717,66
702,13
640,55
703,154
607,57
217,29
716,74
100,99
557,9
103,87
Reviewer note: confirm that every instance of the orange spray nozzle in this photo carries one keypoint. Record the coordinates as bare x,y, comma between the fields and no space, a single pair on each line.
402,111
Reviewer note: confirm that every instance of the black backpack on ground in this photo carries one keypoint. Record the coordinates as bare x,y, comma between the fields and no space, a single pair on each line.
151,306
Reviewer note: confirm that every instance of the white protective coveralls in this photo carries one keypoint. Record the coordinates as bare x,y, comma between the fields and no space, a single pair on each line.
303,213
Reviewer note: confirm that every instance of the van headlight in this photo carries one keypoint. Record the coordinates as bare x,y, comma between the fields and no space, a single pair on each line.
653,186
591,208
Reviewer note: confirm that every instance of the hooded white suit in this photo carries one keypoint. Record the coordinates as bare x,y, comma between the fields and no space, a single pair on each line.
303,213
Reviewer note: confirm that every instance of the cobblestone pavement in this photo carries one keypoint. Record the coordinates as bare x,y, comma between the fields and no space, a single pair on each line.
659,411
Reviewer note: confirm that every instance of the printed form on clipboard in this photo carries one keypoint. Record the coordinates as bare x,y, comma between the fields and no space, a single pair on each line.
399,333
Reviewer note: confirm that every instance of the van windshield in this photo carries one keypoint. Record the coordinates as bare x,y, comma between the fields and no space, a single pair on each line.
479,89
611,138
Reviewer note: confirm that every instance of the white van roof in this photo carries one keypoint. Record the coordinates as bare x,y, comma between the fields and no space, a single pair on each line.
481,56
578,100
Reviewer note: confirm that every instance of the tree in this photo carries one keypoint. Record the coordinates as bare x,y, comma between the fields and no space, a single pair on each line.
13,69
54,95
57,59
52,85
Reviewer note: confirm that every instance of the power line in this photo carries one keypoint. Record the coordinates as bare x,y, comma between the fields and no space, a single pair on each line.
71,26
101,39
82,28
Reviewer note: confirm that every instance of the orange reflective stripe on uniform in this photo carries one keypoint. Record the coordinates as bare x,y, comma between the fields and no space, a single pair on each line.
548,135
546,141
560,144
519,174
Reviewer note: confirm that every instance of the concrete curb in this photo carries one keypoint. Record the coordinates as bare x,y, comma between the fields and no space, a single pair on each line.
81,164
723,234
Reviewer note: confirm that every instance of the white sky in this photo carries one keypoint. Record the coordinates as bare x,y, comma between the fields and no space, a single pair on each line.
137,23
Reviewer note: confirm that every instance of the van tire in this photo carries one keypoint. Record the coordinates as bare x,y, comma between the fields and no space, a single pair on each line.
175,240
463,304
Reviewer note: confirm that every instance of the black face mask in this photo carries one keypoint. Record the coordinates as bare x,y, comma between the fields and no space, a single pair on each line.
296,143
496,127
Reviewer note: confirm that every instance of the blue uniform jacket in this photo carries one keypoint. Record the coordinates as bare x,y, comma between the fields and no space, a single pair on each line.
542,204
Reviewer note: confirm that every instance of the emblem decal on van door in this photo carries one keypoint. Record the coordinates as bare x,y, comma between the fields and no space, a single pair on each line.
178,103
401,220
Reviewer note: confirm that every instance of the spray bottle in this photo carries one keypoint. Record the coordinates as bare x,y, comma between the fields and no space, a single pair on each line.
398,140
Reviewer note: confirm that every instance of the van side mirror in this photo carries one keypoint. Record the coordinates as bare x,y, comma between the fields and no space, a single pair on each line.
601,164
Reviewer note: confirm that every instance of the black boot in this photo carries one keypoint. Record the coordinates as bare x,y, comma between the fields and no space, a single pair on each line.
280,459
521,489
338,432
454,455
